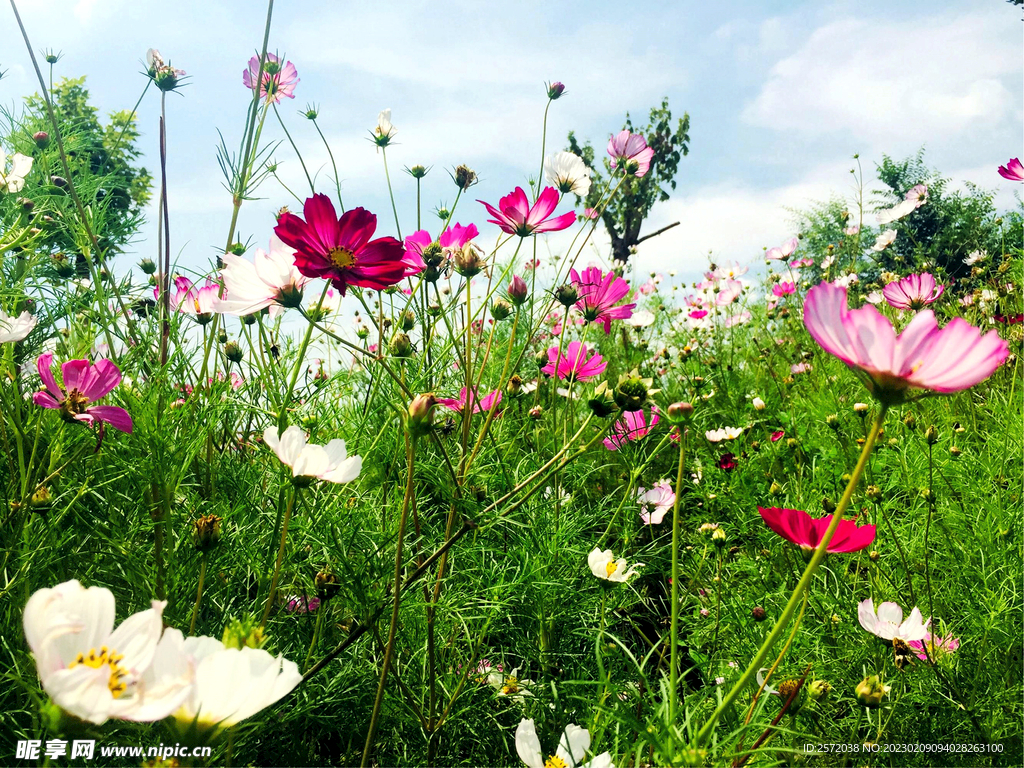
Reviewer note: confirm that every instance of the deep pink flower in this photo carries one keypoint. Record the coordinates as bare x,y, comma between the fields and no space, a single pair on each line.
455,236
806,532
777,435
479,405
937,644
924,356
727,462
516,216
574,364
84,383
278,80
698,314
340,250
1009,319
783,289
632,425
913,291
630,150
1013,170
598,294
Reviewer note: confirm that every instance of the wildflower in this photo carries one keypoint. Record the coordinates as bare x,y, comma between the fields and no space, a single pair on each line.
888,622
84,383
515,216
277,80
640,319
936,645
16,328
512,685
726,433
572,748
806,532
604,566
163,75
190,299
758,404
727,462
1012,171
517,291
567,173
784,251
654,503
631,426
783,289
271,280
479,404
974,258
13,180
918,194
851,230
630,150
777,435
912,292
340,249
870,691
598,294
300,604
308,462
884,240
206,532
574,363
923,356
800,368
90,669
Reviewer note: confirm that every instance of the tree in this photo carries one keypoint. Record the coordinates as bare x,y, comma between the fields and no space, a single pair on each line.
624,215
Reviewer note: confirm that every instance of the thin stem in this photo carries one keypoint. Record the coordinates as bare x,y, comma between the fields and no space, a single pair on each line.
337,181
199,594
280,554
391,194
674,626
302,162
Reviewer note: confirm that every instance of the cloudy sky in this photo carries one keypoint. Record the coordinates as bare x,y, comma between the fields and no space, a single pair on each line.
780,96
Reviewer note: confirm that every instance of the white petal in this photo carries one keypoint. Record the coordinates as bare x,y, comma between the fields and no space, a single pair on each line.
573,745
345,472
528,745
137,637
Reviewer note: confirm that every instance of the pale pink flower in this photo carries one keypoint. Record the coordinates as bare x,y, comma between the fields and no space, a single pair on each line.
270,280
630,150
936,644
918,194
278,80
740,318
801,263
884,240
887,623
852,230
655,502
784,251
729,291
913,291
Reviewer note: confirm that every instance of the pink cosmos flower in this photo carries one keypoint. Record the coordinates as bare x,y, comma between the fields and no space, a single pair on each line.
783,289
729,291
806,532
590,213
918,193
598,294
784,251
516,216
936,644
190,299
924,356
777,435
888,622
655,502
277,80
455,236
479,405
796,368
632,425
84,383
630,150
271,280
740,318
913,291
1013,170
574,364
340,250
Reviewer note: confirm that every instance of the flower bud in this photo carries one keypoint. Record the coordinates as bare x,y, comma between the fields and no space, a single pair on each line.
433,255
147,266
758,613
418,171
42,139
407,320
828,505
41,498
928,495
421,414
817,689
233,352
954,452
464,177
206,532
718,537
400,345
469,260
555,90
870,691
536,413
758,404
566,295
873,556
517,291
931,435
873,492
861,409
909,421
327,585
680,412
632,391
243,633
63,265
500,309
603,403
59,181
541,358
833,421
775,488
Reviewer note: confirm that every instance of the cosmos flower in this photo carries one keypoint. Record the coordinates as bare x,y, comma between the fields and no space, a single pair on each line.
13,180
884,240
384,131
480,404
936,645
654,503
728,292
1013,170
271,280
725,433
630,426
515,216
598,295
918,194
727,462
630,151
340,249
897,212
888,622
189,299
605,566
84,383
784,251
278,80
783,289
16,328
640,319
913,291
567,173
924,356
806,532
308,462
572,749
574,363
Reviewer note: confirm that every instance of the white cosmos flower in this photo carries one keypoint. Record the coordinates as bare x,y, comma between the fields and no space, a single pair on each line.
572,748
385,129
324,462
974,258
847,280
888,622
232,684
897,212
640,319
725,433
16,328
90,669
567,173
271,280
14,179
605,566
884,240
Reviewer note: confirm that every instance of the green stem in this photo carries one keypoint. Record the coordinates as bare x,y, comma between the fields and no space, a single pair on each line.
337,181
199,595
674,590
394,208
302,162
280,555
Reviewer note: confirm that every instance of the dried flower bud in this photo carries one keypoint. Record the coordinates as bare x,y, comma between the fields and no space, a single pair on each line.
464,177
931,435
469,260
954,452
206,532
515,385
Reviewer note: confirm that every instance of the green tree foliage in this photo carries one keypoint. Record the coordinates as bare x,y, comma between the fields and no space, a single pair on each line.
625,215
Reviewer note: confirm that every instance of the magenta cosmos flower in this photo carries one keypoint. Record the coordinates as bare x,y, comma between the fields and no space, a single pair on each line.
936,644
924,356
84,383
806,532
278,79
516,216
340,250
630,151
598,294
632,425
1013,170
479,404
453,237
912,292
574,364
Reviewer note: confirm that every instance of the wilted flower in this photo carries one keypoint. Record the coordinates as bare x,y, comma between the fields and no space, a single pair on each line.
913,291
84,383
888,622
308,462
806,532
567,172
606,567
630,151
277,80
16,328
515,216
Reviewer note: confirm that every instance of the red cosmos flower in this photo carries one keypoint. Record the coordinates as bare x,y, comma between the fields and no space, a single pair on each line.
84,383
516,217
727,462
340,250
805,531
1009,319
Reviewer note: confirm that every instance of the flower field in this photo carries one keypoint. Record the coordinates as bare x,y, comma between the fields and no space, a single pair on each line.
467,487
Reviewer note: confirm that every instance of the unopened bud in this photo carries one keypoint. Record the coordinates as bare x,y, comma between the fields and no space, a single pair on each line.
536,413
931,435
758,613
233,352
243,633
500,309
631,391
327,585
517,291
954,452
566,295
873,556
828,506
909,421
775,488
421,414
401,345
679,412
832,420
758,404
928,495
873,492
407,320
42,139
861,409
515,385
870,691
603,403
206,532
555,90
147,266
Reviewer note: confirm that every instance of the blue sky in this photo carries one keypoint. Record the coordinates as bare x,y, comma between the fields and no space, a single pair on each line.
780,96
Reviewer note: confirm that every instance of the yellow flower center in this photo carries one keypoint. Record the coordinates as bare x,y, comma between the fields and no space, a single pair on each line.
511,686
105,658
342,257
611,568
555,762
